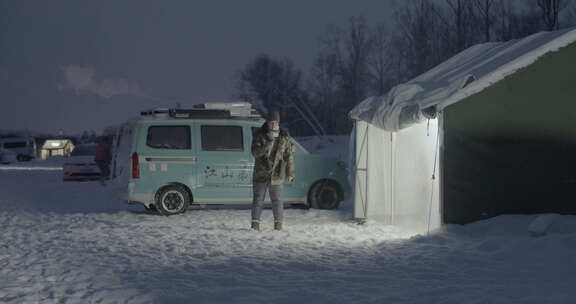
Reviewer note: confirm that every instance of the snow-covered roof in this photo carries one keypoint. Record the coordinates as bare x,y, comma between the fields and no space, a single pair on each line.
56,143
463,75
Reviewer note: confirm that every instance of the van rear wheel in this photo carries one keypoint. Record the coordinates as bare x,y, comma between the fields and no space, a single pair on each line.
325,194
171,200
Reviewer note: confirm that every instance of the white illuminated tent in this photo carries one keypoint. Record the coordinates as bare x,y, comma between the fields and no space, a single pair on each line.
450,146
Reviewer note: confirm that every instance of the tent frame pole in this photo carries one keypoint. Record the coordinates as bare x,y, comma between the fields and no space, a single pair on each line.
392,182
366,189
358,169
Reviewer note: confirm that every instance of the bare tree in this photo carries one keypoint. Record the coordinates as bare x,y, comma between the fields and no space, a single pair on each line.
325,78
461,21
357,45
570,15
515,24
324,88
340,77
269,83
550,10
420,41
486,12
380,60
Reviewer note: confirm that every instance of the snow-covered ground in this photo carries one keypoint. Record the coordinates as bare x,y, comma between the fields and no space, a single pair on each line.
74,242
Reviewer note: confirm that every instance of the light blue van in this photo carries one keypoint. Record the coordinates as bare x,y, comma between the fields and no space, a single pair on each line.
169,159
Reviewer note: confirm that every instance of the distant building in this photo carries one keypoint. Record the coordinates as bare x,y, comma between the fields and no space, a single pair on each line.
56,147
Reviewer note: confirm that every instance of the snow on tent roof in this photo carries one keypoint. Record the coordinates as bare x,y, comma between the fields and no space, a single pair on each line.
463,75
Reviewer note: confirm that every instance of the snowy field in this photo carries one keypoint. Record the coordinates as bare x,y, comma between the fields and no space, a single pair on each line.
74,242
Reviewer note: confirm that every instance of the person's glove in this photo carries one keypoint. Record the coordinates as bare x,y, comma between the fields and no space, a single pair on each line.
290,178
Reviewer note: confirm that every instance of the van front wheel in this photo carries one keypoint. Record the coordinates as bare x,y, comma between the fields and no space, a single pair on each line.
173,199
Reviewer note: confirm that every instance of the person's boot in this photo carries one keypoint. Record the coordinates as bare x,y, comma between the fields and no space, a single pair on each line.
255,226
278,226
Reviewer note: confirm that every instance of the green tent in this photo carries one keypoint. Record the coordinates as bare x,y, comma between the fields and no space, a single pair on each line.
503,123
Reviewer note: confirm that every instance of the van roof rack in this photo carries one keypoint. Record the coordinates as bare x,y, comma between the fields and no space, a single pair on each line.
238,110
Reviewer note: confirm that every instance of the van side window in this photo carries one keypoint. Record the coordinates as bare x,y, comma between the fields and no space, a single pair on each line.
168,137
222,138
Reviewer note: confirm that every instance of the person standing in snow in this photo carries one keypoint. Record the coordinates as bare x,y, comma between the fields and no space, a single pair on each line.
273,166
102,158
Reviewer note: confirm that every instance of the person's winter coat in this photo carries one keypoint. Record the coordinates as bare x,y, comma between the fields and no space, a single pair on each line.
274,162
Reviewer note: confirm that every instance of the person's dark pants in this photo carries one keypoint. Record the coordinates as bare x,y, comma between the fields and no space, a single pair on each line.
104,167
275,192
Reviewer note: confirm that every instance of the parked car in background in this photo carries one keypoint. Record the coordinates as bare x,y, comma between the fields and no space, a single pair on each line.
23,147
171,158
7,156
80,165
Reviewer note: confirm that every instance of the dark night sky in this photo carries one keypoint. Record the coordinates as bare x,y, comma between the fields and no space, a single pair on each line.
125,56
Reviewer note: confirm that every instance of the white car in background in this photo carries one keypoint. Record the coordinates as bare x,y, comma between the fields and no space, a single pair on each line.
23,147
7,156
80,165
